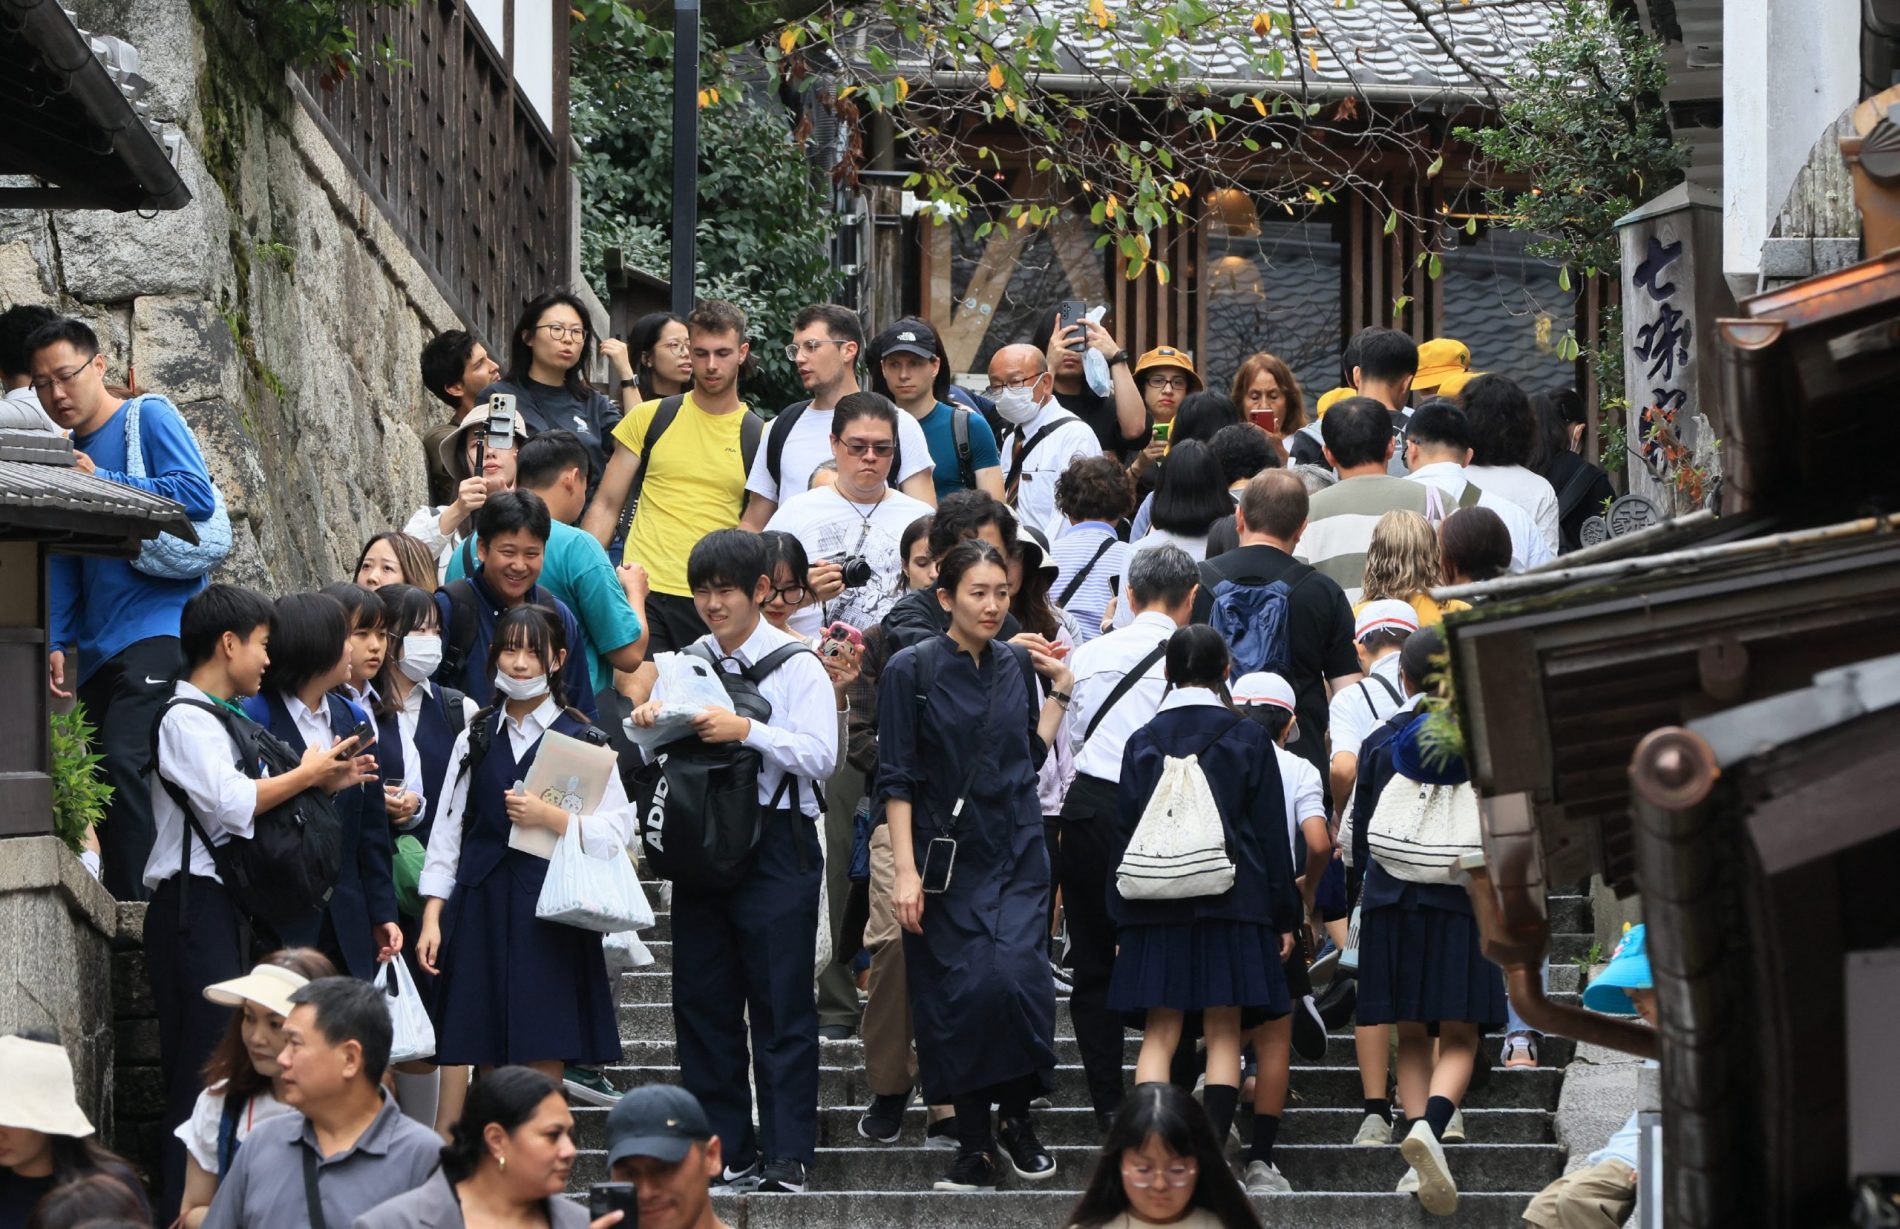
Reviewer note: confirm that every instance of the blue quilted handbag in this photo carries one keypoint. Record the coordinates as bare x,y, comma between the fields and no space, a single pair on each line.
169,556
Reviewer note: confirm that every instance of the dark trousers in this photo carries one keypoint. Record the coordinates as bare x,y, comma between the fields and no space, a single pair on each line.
188,945
1088,840
123,698
673,622
746,955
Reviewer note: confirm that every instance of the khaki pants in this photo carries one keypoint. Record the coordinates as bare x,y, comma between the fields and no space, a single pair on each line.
1598,1197
890,1064
837,990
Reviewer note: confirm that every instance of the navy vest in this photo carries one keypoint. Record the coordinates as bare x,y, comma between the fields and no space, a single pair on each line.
484,820
434,742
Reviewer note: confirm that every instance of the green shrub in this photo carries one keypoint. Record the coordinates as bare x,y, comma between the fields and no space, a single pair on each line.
80,793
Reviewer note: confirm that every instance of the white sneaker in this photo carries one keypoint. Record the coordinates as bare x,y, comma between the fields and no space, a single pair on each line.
1265,1178
1455,1129
1374,1132
1408,1185
1520,1051
1437,1193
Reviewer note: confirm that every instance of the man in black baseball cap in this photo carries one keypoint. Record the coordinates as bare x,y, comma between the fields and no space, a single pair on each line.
658,1139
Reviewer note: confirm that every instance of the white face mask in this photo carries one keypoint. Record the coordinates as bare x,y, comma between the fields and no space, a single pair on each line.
1018,405
421,654
521,689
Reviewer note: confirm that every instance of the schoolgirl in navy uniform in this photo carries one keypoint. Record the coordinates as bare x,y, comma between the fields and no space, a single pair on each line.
512,988
310,657
1217,955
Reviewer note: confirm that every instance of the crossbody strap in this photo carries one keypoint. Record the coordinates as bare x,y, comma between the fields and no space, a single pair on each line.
312,1203
1122,688
1075,582
1022,454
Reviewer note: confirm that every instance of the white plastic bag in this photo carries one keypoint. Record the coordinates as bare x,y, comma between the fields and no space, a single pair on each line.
1179,849
690,686
624,952
414,1035
600,894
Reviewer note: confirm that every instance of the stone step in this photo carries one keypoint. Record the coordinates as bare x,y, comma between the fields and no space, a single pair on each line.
838,1127
1324,1086
1309,1167
1551,1052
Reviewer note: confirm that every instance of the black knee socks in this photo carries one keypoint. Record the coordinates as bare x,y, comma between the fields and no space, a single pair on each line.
1220,1101
1380,1108
1438,1112
1266,1129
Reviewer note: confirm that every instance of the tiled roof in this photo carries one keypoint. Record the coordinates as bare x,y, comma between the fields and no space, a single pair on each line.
27,488
1371,46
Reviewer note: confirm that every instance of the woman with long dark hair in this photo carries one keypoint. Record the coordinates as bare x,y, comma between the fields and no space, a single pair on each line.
1219,955
960,738
1582,488
242,1085
1190,501
1201,417
548,354
662,357
513,988
1162,1164
45,1139
507,1161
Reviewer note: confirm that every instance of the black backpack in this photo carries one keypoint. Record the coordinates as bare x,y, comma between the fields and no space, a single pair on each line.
288,867
700,815
781,430
750,427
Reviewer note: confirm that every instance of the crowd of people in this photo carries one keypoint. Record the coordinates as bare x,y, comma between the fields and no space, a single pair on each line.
970,649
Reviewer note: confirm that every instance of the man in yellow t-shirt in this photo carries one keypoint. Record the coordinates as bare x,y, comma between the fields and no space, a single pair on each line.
693,483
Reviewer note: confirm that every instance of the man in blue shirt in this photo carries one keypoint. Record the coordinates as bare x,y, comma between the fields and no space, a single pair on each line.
910,366
511,539
122,622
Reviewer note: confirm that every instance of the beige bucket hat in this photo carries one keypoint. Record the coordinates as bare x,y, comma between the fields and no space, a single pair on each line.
38,1078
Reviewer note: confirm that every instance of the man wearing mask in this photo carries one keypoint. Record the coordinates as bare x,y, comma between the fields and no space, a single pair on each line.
1042,437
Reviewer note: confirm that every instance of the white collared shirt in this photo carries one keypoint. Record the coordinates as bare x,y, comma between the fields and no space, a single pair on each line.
802,736
314,726
1036,493
605,833
1189,697
1528,549
196,754
406,719
1098,666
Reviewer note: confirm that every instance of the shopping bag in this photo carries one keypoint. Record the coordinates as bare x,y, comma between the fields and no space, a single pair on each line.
600,894
413,1034
624,952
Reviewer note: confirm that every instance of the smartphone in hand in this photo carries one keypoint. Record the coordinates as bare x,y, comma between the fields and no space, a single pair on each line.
606,1197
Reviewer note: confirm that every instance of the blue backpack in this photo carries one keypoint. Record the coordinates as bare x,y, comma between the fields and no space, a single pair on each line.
1252,616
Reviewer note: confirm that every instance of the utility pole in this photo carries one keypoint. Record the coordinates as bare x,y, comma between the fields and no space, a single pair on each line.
685,150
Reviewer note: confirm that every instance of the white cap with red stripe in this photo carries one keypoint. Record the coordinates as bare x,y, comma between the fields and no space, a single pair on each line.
1385,615
1260,687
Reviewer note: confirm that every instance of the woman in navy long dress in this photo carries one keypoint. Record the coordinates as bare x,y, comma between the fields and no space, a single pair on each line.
1421,968
510,987
1218,955
960,739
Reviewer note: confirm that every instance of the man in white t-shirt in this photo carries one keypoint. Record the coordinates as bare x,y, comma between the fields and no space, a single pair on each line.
852,529
1042,438
826,340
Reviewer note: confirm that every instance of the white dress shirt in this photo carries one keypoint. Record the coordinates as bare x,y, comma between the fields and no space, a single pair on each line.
196,754
406,718
802,736
1528,548
605,833
1098,666
425,526
1529,491
1036,492
314,725
1345,837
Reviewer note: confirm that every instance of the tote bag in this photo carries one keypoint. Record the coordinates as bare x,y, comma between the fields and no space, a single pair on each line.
1179,849
1418,832
169,556
413,1035
601,894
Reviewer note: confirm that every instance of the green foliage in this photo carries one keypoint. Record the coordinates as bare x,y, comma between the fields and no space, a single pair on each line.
1441,737
80,793
763,226
1584,120
319,34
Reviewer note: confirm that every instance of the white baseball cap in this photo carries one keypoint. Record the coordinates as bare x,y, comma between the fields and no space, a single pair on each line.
1261,687
1385,615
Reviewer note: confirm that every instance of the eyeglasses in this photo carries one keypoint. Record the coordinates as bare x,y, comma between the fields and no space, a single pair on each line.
672,347
1168,382
1142,1177
811,346
65,378
877,448
1012,385
562,332
790,595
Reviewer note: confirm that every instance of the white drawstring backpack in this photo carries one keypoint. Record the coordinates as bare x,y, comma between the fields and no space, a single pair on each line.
1180,848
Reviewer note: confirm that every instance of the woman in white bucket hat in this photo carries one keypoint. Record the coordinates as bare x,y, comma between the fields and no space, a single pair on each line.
45,1138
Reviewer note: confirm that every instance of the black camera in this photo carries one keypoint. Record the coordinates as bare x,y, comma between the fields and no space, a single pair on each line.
857,571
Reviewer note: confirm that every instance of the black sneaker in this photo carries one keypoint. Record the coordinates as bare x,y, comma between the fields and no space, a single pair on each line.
883,1119
782,1177
1027,1156
942,1133
1309,1030
1337,1002
973,1171
738,1181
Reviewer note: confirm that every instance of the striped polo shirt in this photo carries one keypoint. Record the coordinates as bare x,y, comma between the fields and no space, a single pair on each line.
1340,522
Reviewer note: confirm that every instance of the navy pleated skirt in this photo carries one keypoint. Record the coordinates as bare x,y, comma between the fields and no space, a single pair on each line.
516,989
1418,963
1199,965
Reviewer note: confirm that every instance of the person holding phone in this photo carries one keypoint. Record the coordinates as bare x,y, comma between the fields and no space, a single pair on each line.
1119,417
481,462
661,1147
960,739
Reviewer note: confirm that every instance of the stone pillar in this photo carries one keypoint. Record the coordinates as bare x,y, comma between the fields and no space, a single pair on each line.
1789,68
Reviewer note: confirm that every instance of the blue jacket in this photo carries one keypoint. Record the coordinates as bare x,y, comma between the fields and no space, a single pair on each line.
365,894
1244,774
98,605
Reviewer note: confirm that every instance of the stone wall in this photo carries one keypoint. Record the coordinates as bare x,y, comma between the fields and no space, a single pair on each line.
279,309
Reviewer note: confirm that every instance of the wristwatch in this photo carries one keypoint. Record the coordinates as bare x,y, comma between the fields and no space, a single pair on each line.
1060,697
1120,356
630,382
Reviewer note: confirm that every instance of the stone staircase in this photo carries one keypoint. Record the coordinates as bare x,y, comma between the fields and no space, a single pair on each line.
1512,1152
